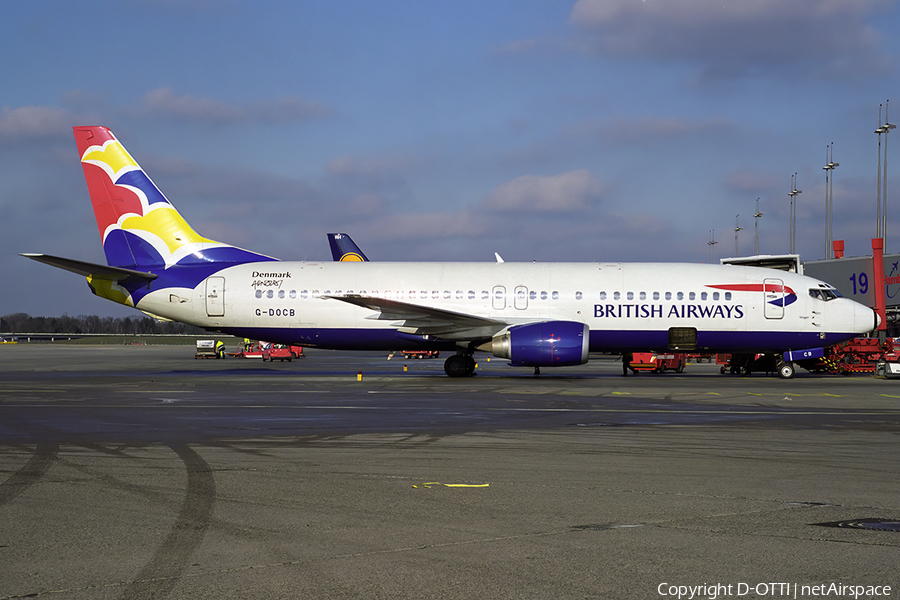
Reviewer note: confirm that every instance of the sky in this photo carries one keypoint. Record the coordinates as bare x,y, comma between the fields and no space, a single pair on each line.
547,130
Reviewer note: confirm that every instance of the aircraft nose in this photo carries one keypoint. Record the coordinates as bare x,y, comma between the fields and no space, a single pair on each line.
866,318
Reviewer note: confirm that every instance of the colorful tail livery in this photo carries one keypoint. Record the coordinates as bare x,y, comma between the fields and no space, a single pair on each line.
139,228
534,314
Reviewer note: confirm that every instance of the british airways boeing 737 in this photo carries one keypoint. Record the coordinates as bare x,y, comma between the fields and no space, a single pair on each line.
534,314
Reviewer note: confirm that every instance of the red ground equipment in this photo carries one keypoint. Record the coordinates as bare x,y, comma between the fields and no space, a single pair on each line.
407,354
659,362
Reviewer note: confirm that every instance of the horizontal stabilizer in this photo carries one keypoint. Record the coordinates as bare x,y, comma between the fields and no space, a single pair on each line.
87,269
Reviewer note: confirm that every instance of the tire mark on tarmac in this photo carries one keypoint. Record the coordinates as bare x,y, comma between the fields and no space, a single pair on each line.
166,567
43,458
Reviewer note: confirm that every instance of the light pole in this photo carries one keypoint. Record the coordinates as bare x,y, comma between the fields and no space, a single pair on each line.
756,216
879,220
712,242
887,129
737,228
829,198
793,194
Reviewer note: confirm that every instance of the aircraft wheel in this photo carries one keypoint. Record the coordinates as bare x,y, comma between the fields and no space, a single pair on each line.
456,366
470,364
786,370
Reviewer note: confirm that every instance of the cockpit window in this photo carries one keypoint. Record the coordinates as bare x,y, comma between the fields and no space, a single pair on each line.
825,294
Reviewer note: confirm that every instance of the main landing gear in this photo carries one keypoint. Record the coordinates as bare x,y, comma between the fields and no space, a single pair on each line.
460,365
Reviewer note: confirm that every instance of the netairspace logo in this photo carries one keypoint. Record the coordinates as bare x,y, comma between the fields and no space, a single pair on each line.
723,591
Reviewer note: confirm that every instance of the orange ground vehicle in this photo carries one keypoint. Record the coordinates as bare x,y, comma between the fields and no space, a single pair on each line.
659,362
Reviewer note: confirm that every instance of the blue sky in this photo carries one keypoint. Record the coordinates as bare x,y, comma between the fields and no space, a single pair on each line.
545,130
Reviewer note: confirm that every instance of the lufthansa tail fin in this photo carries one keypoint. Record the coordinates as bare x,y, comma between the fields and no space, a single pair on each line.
139,227
343,249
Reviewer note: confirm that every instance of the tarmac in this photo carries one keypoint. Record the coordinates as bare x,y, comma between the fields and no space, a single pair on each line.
136,472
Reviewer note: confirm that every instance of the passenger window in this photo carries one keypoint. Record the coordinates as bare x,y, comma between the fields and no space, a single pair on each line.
668,295
728,295
543,295
281,294
269,294
485,294
715,296
435,294
459,294
532,295
304,294
315,293
293,294
446,294
630,295
656,295
680,295
603,295
692,296
556,295
578,295
643,296
259,293
471,294
616,295
703,296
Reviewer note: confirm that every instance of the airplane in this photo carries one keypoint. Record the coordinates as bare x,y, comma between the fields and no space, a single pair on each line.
344,249
533,314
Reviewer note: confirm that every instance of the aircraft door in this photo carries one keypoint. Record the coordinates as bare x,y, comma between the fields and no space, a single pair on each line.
773,298
521,298
215,296
498,297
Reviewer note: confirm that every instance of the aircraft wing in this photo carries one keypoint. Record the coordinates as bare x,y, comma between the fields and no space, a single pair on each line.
424,320
87,269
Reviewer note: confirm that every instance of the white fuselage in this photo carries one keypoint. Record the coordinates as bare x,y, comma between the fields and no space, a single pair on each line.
626,305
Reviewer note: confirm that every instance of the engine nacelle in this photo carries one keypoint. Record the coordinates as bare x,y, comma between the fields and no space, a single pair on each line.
546,344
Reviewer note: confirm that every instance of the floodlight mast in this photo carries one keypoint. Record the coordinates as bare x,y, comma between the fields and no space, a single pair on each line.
793,221
756,216
829,199
887,129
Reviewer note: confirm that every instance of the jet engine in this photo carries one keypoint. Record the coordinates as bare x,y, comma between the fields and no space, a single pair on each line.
545,344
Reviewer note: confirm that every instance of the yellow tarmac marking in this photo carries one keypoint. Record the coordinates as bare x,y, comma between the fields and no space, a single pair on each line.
453,485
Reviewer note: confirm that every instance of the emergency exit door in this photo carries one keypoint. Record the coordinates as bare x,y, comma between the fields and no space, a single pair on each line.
774,298
215,297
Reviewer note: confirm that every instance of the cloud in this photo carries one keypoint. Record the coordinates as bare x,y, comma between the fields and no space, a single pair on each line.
35,121
737,38
566,192
163,101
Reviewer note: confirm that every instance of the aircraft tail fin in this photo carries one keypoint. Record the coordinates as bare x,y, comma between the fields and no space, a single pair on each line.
139,227
343,249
